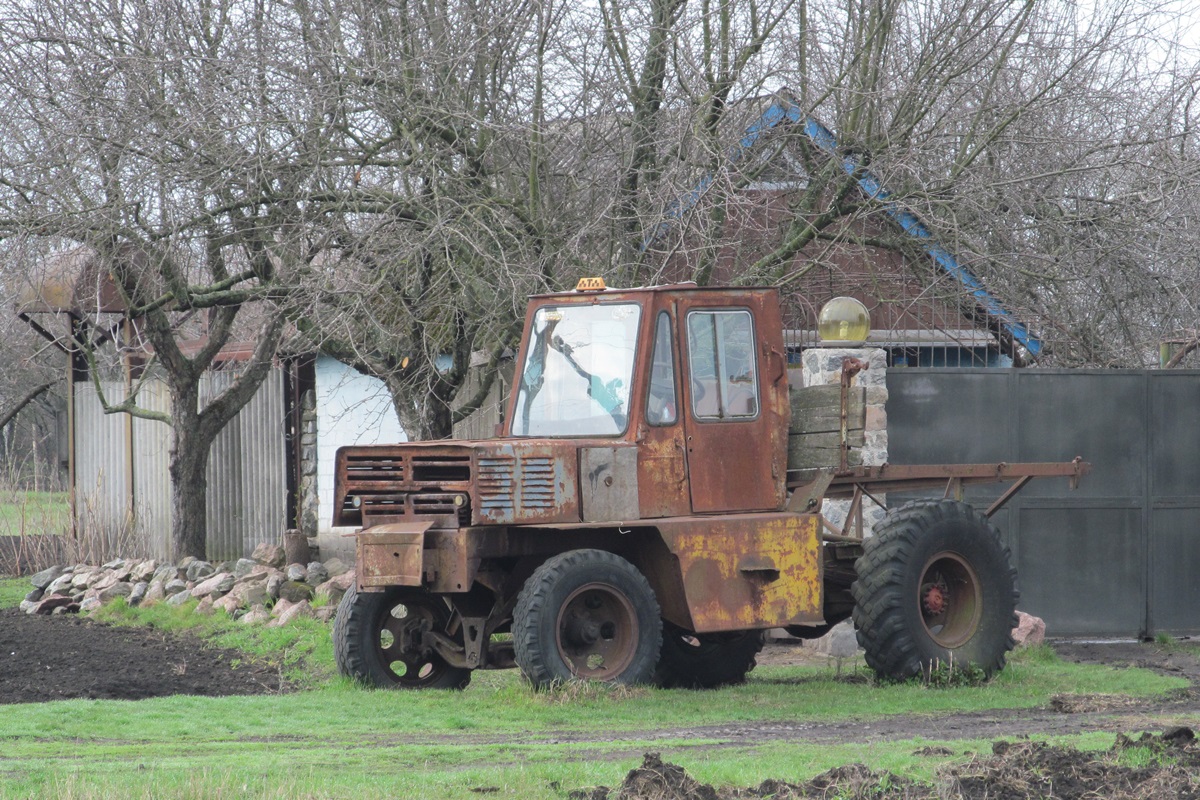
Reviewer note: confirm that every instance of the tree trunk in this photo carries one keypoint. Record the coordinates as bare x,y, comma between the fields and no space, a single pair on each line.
431,419
189,481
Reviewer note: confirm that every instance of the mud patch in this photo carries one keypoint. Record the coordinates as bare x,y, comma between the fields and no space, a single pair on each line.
1132,769
1148,767
67,657
1092,703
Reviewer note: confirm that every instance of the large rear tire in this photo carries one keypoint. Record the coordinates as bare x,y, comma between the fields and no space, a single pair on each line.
379,640
706,660
586,614
935,589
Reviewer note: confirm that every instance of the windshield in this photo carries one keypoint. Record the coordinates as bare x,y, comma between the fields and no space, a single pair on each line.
578,371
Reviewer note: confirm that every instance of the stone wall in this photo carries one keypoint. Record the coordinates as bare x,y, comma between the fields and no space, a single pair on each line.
262,588
823,366
308,500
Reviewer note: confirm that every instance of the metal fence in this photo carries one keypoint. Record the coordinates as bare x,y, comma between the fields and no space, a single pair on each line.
122,487
1116,557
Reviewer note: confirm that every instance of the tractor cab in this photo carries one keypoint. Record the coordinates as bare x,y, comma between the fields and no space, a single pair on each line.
678,394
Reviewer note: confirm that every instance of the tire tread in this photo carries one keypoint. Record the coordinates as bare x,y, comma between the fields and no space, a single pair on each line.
536,657
892,649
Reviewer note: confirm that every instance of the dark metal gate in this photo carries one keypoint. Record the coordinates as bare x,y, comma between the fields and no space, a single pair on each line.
1118,557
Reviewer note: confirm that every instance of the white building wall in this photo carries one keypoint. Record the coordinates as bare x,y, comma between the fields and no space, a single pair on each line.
352,408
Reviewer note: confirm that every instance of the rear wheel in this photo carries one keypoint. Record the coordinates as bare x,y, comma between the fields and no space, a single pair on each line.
705,660
381,639
586,614
936,588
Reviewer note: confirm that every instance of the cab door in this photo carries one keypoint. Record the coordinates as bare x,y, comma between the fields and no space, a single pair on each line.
662,467
730,436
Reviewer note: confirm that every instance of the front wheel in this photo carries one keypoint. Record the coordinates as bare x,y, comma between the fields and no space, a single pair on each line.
936,588
586,614
381,639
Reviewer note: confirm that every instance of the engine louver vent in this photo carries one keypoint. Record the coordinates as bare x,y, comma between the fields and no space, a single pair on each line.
507,493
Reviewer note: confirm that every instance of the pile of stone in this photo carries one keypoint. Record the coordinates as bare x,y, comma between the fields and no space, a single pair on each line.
259,589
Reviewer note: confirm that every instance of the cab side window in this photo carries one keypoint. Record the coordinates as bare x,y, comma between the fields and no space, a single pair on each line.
721,357
660,404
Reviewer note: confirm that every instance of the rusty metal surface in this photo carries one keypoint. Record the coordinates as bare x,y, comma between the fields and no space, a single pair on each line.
608,483
724,459
739,464
387,480
481,483
903,477
450,562
807,497
850,368
662,473
391,555
527,481
748,571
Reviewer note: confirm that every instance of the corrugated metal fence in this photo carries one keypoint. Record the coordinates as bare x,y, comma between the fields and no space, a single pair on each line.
123,488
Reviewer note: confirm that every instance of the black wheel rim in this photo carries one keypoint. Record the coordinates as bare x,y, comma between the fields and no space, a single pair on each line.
405,649
950,599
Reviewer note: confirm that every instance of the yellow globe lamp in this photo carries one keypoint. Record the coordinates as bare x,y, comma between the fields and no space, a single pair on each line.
843,322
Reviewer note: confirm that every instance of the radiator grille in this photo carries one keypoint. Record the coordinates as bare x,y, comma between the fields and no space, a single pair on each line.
391,485
495,487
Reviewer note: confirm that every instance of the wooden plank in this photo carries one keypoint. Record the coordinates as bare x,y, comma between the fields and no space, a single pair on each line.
831,441
813,451
818,409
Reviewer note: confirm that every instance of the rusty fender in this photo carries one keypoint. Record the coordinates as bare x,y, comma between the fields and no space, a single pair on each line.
749,571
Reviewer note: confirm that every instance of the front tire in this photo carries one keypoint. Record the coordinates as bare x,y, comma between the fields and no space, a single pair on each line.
379,640
586,614
936,588
706,660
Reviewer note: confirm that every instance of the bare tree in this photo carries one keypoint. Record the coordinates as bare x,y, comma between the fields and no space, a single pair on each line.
443,117
165,138
1048,150
1052,151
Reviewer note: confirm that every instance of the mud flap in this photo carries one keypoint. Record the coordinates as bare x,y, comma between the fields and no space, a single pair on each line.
391,555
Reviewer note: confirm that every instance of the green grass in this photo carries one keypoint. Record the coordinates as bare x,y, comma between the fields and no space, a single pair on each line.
331,762
337,740
28,513
13,591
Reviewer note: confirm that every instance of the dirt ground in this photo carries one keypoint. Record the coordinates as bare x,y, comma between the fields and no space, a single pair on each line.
65,657
54,658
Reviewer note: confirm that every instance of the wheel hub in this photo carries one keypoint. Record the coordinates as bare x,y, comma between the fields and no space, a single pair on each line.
935,600
950,597
597,631
404,646
582,631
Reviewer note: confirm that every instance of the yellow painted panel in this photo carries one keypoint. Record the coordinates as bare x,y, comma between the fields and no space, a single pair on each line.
748,571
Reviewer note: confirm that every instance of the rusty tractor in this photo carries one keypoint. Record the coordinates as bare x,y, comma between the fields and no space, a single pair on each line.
648,510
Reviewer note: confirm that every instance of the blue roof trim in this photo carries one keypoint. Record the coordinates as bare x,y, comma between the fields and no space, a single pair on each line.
782,111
